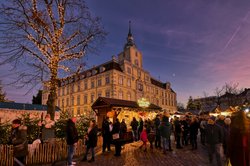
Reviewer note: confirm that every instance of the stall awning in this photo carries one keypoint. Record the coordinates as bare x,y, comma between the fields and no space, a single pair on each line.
102,102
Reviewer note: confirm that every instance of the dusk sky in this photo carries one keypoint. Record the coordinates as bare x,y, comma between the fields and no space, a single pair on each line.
197,45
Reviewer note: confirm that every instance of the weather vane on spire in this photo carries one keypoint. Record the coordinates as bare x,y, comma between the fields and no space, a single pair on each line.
130,39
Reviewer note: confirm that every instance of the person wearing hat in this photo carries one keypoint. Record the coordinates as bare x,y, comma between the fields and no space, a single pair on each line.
214,140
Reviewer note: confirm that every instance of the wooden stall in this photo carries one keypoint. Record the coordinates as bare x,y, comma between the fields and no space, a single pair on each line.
122,109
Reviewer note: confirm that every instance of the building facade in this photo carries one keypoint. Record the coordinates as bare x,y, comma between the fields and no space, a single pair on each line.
121,78
225,101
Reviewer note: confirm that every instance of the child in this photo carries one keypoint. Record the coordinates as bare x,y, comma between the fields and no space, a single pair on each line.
144,138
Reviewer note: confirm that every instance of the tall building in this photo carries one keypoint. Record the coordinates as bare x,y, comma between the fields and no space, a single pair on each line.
120,78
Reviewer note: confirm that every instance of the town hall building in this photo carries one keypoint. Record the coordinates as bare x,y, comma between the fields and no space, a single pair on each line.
123,78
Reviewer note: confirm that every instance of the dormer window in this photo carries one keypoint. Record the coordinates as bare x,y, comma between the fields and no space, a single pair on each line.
94,72
88,74
102,69
82,76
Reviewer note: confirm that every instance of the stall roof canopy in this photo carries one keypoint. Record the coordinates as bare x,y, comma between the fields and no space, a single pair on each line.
110,102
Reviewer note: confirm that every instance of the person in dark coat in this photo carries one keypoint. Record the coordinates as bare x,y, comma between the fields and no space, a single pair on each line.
157,123
185,130
106,135
226,131
194,127
239,142
18,139
203,124
123,126
178,130
214,139
165,132
91,139
72,138
140,128
117,142
134,125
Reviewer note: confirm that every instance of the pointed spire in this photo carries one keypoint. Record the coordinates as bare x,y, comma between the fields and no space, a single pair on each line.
130,40
129,30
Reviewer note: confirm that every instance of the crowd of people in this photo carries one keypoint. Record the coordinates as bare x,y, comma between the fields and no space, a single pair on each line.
225,138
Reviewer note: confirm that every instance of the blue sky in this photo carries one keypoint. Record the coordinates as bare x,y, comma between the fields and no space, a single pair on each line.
197,45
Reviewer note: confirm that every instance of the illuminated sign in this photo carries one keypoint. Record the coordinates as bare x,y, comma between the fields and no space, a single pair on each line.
143,103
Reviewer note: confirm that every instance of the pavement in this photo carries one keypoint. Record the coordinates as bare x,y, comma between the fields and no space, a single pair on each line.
133,156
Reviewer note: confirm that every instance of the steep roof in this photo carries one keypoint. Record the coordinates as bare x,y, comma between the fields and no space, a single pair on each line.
110,102
23,106
158,83
89,73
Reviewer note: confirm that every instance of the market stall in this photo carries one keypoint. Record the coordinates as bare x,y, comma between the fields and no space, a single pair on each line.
124,109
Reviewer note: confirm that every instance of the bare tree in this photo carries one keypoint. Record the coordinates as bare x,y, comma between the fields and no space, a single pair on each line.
47,39
2,93
219,92
231,92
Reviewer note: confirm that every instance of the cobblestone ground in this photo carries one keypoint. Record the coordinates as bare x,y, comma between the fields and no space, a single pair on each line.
133,156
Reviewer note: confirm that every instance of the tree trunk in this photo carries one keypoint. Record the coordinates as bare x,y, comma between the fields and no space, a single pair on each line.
51,103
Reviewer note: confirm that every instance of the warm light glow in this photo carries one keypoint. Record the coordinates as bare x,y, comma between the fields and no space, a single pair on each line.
247,110
143,103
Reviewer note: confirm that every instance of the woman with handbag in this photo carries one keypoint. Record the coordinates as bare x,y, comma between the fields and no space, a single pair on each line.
117,138
91,140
